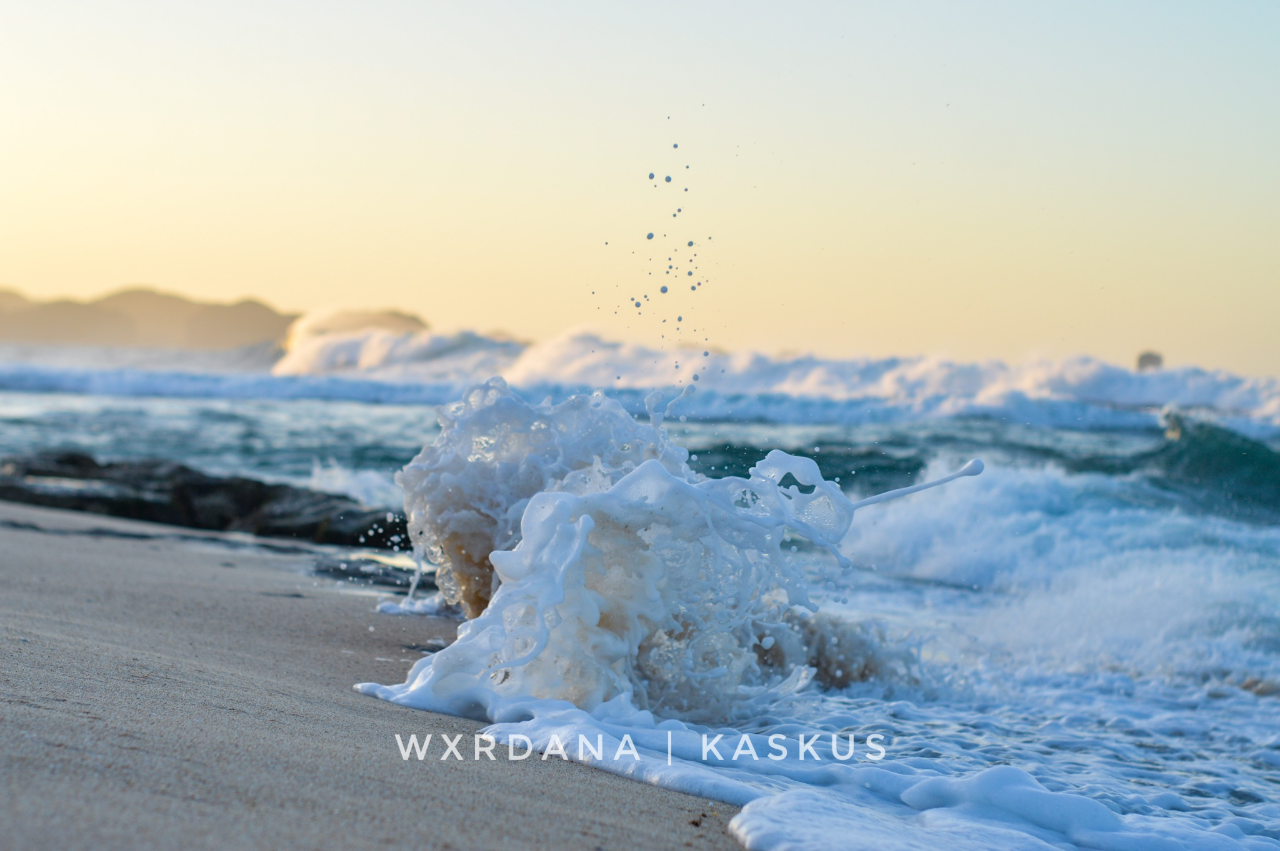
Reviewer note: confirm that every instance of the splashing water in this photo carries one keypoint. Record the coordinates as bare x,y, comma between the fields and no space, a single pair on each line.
630,578
629,598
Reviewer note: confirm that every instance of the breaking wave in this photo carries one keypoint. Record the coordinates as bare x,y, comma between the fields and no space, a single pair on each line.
1052,658
383,366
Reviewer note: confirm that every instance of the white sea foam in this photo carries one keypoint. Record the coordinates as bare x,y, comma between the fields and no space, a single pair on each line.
385,355
422,367
433,604
1082,671
326,323
630,578
466,493
257,358
368,487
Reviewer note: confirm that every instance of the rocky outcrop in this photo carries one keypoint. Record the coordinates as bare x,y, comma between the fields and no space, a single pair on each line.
140,317
165,492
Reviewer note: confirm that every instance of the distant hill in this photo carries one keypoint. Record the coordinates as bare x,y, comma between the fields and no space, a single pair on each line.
140,317
10,300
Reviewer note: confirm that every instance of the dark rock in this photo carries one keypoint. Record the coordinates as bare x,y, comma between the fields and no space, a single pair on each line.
165,492
1150,361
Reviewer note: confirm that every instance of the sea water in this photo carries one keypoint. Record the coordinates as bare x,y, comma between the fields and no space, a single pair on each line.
1050,658
1080,647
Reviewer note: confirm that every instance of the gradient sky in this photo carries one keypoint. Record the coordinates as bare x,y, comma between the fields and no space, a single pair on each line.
971,180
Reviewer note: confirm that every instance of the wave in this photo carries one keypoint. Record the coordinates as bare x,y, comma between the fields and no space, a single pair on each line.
1211,467
383,355
256,358
383,366
373,488
1116,654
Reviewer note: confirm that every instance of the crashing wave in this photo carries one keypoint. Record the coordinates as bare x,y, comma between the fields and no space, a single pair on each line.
391,364
599,568
635,601
421,356
466,493
926,384
325,323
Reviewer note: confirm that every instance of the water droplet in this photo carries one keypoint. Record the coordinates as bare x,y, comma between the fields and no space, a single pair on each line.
637,304
651,175
690,274
695,376
675,146
668,178
664,289
650,236
690,243
706,354
679,318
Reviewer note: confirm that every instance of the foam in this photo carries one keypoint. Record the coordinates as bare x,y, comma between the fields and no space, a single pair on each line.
630,577
1060,637
381,354
384,365
368,487
1078,391
465,494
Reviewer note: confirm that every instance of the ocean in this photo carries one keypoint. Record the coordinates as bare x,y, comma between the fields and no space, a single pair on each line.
1079,647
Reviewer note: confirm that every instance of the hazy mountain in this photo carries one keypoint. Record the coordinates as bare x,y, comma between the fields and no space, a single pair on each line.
160,319
225,326
10,300
67,323
140,317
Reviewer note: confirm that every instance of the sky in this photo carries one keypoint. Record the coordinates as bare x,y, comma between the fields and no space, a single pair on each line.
977,180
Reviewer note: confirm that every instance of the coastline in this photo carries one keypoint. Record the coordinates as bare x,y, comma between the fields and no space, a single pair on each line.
172,688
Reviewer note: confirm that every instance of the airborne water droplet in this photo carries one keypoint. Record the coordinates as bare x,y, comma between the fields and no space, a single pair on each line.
650,236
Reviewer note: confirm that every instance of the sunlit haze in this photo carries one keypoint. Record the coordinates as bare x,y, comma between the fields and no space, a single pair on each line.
977,181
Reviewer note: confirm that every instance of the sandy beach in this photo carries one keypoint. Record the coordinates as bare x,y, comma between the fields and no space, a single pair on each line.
163,688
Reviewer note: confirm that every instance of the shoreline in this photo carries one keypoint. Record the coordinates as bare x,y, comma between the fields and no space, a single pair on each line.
172,688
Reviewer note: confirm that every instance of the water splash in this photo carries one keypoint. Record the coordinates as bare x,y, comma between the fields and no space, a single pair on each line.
630,578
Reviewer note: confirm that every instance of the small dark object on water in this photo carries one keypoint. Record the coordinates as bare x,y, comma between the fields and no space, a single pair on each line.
1150,361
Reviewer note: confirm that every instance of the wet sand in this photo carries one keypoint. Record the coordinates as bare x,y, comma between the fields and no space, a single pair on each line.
162,688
